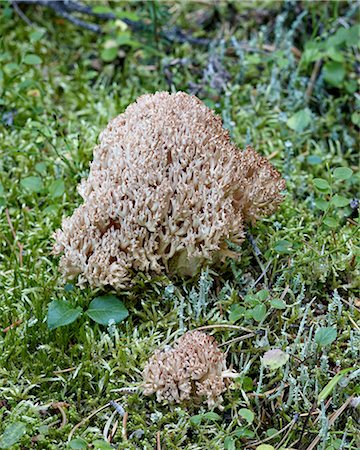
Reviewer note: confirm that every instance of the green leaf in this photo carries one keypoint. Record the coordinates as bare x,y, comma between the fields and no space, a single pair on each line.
105,308
300,120
355,118
325,336
262,295
36,35
99,444
212,416
331,222
342,173
229,443
274,359
244,432
61,313
247,384
247,415
1,190
321,204
332,383
57,188
78,444
12,434
32,59
265,447
334,73
278,304
196,420
258,313
282,246
236,312
339,201
321,185
109,54
32,184
313,160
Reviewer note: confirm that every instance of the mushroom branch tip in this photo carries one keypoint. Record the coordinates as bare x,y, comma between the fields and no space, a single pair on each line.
166,190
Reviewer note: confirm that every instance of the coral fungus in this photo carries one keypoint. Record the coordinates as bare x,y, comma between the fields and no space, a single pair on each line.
166,189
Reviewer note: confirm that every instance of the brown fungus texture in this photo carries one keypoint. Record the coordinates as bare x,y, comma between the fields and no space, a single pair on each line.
167,190
194,369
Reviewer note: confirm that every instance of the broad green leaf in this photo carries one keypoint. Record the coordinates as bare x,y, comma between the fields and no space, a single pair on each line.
247,384
331,222
313,160
106,308
278,304
247,415
32,184
229,443
342,173
322,185
273,359
32,59
355,118
212,416
236,312
99,444
57,188
244,432
12,434
61,313
321,204
258,313
339,201
36,35
109,54
265,447
334,73
282,246
196,420
332,383
325,336
262,295
78,444
300,120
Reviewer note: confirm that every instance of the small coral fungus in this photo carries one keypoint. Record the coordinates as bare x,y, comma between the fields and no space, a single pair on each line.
166,189
194,369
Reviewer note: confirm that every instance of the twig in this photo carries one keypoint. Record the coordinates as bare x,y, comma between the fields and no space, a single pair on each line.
107,426
59,406
124,423
237,339
13,325
21,14
331,421
69,369
231,327
313,78
158,441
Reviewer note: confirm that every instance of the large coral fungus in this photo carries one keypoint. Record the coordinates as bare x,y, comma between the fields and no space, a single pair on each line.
194,369
166,189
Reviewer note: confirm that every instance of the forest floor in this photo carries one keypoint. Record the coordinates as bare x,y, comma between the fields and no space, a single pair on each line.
284,77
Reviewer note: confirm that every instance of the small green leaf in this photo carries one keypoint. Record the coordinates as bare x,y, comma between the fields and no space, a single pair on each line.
99,444
313,160
196,420
274,359
282,246
334,73
236,312
36,35
331,222
12,434
342,173
339,201
32,184
61,313
57,188
332,383
244,432
106,308
78,444
109,54
212,416
321,185
265,447
325,336
355,118
321,204
258,313
32,59
229,443
278,304
247,415
247,384
300,120
262,295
